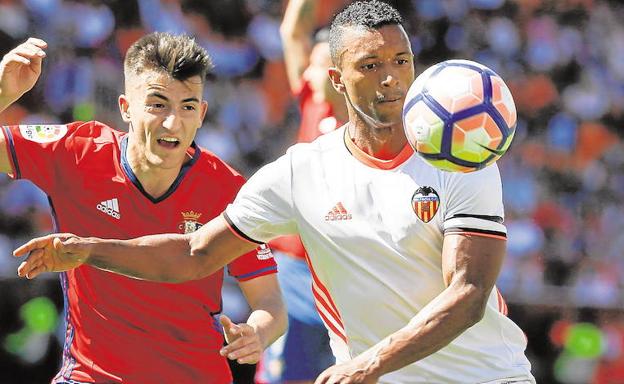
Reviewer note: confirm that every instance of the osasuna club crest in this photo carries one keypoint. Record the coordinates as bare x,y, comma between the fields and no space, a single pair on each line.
190,223
425,203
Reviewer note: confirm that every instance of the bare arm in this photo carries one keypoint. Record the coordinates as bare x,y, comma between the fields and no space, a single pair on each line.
470,266
165,257
296,30
265,324
19,71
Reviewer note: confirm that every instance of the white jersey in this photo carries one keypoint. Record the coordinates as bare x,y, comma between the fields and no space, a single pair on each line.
373,231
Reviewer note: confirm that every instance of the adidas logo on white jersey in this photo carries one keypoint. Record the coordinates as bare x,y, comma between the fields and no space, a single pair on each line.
110,207
338,213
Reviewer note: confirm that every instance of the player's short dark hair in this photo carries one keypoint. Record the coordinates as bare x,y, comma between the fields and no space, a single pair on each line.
372,14
176,55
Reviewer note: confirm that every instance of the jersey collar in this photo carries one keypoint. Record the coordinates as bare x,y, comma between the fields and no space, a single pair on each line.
374,162
125,165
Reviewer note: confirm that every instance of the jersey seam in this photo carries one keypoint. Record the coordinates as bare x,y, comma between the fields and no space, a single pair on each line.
373,162
496,219
257,273
10,144
240,234
459,230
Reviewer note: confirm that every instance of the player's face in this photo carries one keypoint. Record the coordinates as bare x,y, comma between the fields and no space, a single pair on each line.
164,115
376,70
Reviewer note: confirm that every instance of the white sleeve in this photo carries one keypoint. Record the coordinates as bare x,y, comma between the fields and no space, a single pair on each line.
263,208
475,203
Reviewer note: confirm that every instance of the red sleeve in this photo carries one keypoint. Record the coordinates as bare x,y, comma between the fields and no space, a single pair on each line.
259,262
40,152
254,264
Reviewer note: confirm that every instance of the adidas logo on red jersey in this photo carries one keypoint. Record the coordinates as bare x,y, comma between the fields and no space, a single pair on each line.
110,207
338,213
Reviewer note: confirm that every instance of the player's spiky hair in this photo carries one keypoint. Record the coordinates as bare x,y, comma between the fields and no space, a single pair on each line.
177,55
372,14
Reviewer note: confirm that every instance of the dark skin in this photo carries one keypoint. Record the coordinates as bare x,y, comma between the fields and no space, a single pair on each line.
372,70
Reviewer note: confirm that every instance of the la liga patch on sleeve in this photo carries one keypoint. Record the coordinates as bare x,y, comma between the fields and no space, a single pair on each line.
43,133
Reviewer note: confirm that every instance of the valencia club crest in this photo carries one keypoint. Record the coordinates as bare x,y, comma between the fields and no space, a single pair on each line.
425,202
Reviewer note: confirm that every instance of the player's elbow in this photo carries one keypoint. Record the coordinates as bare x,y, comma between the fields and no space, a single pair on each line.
201,264
474,301
280,314
177,273
172,279
182,269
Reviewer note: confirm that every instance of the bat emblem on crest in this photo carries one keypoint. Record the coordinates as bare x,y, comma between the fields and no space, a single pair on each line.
425,203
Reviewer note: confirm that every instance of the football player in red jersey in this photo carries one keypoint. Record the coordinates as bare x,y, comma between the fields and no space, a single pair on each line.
153,179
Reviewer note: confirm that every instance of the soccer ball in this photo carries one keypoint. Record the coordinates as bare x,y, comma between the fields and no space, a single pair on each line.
459,116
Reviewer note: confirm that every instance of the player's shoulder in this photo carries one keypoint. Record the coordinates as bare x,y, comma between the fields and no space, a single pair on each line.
84,136
487,174
323,145
211,164
79,136
50,133
92,129
481,181
450,182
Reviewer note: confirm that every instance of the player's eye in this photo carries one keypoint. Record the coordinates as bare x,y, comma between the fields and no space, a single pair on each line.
153,106
402,61
369,66
189,108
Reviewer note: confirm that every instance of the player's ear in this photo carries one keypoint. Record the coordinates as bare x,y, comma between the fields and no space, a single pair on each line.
124,108
203,107
336,78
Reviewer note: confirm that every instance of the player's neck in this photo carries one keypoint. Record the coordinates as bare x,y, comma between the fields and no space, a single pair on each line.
154,179
337,102
383,143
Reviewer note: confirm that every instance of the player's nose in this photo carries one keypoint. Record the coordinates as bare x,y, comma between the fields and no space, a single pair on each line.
390,80
172,122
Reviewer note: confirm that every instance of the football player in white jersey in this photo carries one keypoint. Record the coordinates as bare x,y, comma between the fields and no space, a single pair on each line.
403,257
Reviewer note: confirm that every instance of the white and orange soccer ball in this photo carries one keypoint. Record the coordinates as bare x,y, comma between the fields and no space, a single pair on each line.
459,116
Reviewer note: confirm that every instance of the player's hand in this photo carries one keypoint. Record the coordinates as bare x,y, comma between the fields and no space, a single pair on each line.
351,372
52,253
20,69
244,344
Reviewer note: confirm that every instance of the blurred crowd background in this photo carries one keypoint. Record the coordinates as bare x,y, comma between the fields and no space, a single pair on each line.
563,177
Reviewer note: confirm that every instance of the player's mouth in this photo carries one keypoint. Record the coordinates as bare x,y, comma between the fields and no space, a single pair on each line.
381,99
168,142
389,101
